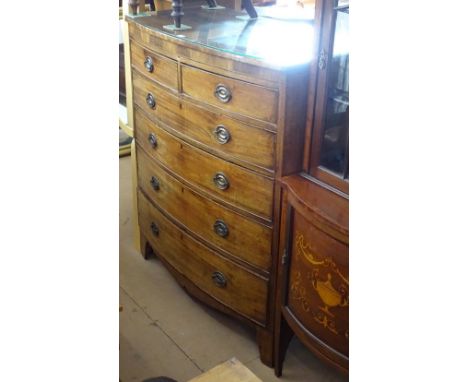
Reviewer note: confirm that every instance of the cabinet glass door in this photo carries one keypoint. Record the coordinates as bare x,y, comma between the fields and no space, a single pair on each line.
331,123
334,152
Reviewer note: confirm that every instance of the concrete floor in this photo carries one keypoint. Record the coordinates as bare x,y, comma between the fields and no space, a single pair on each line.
163,331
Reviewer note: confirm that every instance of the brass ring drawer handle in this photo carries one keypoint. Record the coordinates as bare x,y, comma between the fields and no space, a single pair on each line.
219,279
154,183
221,228
152,140
149,64
222,134
154,229
150,100
220,181
223,93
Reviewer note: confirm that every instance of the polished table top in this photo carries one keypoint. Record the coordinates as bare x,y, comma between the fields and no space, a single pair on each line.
274,41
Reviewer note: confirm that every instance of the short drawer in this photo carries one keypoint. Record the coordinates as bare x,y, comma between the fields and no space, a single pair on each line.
220,133
230,94
221,227
155,66
226,181
232,285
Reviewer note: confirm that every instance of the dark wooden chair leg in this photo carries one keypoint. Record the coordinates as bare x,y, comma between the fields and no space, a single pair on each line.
177,12
265,345
283,335
248,6
133,7
152,5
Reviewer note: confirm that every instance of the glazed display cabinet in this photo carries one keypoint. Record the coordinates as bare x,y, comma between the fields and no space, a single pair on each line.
313,276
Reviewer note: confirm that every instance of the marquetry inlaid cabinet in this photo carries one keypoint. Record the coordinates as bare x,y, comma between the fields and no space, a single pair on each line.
219,116
313,274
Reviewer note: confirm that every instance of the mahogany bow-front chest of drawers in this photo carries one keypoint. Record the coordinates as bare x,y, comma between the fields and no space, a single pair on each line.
216,124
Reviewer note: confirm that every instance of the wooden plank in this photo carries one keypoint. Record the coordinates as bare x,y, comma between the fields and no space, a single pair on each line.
231,370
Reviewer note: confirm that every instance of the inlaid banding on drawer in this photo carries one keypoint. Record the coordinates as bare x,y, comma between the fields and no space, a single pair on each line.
228,283
219,226
215,132
232,95
246,190
157,67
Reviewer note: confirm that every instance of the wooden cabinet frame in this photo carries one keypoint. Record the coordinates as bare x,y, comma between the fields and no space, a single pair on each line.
325,24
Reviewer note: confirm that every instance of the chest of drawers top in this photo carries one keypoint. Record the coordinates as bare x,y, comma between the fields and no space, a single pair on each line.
258,50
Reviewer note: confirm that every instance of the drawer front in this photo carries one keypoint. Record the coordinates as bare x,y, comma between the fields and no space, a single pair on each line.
232,95
231,183
157,67
220,133
228,283
227,230
319,283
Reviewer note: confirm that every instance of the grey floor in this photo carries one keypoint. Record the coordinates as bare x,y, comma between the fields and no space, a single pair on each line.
163,331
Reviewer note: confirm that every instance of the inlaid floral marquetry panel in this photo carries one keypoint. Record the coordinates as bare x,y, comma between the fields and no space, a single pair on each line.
319,283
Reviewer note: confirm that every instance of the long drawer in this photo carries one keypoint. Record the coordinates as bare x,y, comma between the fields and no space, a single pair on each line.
230,94
157,67
216,131
228,283
221,227
231,183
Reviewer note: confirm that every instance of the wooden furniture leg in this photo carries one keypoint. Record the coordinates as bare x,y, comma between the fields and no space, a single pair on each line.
249,8
132,7
265,344
139,6
283,336
177,13
146,249
142,6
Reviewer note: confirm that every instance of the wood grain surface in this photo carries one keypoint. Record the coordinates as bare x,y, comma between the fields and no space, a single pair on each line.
247,190
246,239
165,70
248,145
244,292
247,99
